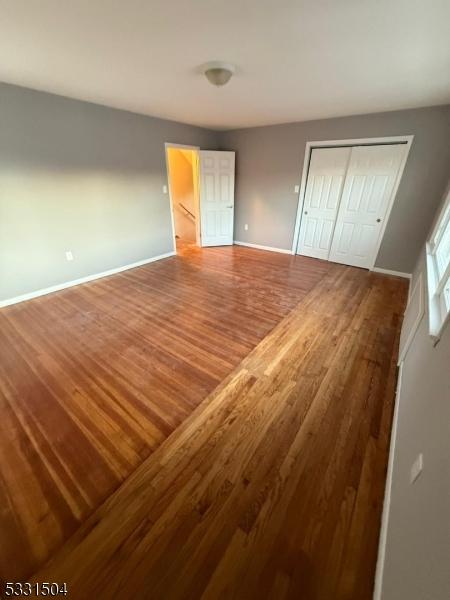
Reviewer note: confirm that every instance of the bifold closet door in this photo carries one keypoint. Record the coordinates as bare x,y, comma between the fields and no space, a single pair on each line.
326,175
369,183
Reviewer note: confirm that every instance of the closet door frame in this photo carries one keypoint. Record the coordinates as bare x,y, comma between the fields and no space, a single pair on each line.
402,139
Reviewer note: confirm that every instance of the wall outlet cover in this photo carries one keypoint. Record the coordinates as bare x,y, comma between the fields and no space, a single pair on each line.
296,189
69,255
246,227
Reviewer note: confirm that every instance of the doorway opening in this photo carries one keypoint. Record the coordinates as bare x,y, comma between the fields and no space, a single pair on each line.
183,177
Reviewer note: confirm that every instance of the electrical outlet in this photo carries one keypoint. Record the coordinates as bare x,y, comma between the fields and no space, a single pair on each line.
69,255
164,189
416,469
246,227
296,189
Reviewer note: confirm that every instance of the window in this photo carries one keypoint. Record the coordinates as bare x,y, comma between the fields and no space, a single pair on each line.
438,265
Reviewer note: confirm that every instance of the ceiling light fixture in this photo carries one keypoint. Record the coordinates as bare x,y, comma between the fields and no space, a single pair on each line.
218,73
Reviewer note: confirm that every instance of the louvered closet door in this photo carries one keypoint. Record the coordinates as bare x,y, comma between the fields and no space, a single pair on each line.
326,175
371,176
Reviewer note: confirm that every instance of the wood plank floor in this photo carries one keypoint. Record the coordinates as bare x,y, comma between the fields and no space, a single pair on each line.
94,378
273,487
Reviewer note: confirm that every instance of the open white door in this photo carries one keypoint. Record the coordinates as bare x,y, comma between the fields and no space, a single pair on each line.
326,175
216,197
371,177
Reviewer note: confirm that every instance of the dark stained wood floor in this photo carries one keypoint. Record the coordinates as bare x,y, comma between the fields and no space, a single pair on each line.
94,378
273,487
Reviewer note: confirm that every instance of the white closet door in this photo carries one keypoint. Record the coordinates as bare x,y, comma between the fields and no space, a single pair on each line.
326,175
216,197
370,179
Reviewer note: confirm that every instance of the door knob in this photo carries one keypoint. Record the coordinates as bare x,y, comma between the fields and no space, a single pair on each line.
230,206
378,220
306,212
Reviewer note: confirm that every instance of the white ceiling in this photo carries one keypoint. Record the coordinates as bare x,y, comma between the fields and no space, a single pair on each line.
296,59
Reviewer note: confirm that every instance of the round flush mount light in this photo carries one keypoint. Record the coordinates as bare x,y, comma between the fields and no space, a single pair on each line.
218,73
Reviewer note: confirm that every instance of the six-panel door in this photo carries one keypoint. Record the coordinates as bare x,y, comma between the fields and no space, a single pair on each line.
326,175
216,197
369,183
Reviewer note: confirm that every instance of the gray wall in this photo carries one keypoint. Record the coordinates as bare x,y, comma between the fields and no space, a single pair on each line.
86,178
269,162
81,177
417,556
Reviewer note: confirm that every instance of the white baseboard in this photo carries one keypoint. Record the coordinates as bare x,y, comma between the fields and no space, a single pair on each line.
68,284
387,494
259,247
389,272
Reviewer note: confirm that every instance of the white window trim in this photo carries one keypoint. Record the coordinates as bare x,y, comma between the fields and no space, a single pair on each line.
439,313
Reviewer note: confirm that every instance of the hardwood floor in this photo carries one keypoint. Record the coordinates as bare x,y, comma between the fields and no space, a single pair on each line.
273,487
94,378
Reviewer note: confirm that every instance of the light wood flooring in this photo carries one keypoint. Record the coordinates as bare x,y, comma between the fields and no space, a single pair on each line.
268,485
95,377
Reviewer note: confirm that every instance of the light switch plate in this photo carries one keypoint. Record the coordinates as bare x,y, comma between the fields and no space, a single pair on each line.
296,189
416,469
69,255
246,227
164,189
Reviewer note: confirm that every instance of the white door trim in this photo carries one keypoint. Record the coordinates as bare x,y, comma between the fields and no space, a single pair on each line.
168,145
398,139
